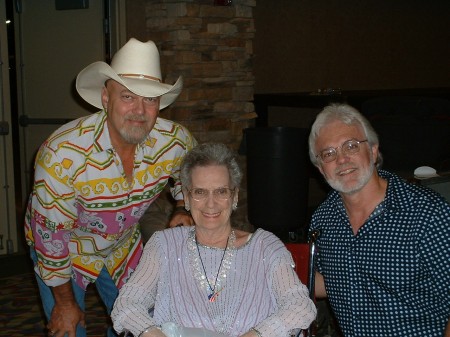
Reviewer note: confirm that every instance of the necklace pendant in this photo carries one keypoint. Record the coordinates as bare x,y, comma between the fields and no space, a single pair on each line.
212,297
224,265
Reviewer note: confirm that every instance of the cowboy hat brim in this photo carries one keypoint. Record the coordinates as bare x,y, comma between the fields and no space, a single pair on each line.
91,80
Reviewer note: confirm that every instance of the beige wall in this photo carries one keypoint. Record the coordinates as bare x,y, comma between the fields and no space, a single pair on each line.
304,45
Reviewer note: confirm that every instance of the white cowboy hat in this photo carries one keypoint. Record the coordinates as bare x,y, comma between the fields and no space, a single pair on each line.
136,66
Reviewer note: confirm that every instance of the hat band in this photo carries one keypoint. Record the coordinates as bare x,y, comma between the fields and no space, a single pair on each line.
141,76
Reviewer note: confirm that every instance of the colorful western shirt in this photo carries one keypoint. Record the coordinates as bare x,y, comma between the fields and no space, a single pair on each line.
393,277
82,213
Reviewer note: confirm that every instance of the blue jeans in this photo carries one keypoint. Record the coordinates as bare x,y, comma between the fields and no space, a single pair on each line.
106,288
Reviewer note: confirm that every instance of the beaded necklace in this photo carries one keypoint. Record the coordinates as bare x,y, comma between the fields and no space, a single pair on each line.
212,297
200,270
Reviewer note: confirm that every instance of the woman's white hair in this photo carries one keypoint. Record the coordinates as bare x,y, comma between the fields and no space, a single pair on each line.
210,154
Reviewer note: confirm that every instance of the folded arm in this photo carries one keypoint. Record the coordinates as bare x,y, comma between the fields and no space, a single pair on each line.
295,308
137,296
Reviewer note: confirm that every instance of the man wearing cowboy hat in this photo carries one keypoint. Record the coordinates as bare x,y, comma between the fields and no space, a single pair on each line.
94,179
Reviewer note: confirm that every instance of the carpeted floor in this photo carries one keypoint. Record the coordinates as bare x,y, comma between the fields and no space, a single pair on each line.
21,313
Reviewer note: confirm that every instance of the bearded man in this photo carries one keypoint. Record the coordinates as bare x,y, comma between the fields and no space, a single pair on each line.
94,179
383,249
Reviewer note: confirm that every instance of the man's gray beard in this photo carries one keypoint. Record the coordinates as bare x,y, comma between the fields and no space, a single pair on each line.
134,135
339,186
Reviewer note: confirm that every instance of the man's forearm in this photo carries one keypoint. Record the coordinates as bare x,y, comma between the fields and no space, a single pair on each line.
319,286
179,203
63,293
66,314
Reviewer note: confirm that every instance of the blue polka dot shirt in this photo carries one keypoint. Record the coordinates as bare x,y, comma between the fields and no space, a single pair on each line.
393,277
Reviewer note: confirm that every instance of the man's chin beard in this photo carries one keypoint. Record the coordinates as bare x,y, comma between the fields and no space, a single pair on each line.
341,189
131,135
362,181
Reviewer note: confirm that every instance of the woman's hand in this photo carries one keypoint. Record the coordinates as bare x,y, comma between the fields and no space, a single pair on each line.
154,332
251,333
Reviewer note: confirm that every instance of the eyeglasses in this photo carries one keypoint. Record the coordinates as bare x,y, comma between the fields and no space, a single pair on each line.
349,147
219,194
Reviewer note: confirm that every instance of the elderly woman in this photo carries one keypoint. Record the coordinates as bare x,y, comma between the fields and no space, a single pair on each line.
212,276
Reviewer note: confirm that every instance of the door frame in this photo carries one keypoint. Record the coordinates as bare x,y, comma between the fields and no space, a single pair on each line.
17,185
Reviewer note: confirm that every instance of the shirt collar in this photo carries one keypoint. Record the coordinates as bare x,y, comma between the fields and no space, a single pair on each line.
102,141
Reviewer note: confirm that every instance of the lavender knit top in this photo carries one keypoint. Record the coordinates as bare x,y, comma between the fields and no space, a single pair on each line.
256,287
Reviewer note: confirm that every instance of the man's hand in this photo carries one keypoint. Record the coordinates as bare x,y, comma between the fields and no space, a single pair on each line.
66,313
181,219
181,216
